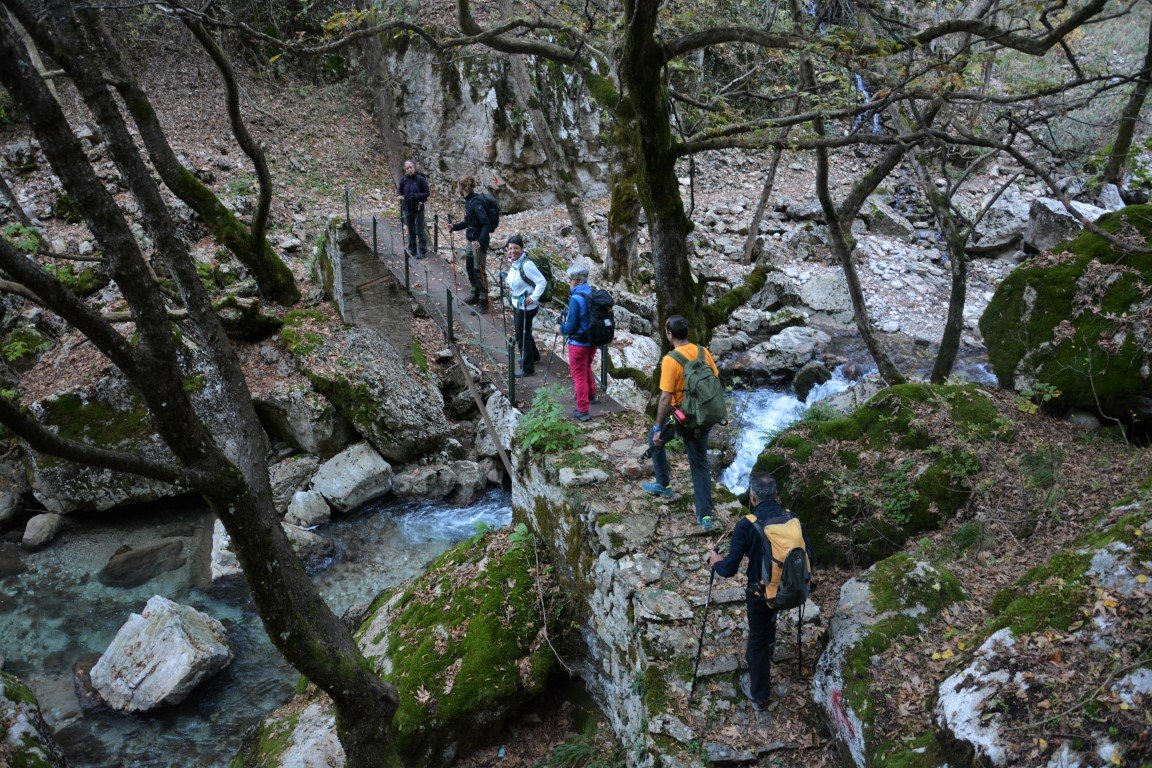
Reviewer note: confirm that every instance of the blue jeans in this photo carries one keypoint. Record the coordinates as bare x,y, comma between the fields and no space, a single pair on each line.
696,445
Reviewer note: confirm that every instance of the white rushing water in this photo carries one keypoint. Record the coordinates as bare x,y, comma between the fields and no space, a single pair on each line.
764,413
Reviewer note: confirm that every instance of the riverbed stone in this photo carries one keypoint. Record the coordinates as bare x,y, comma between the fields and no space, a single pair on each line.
41,530
352,477
432,481
471,480
159,656
883,219
133,567
777,360
308,508
225,566
289,476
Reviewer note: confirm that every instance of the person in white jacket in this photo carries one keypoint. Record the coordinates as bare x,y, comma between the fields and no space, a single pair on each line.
526,285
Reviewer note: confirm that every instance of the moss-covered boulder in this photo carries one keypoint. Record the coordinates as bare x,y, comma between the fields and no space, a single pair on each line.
109,414
22,346
1080,321
895,597
466,645
1063,669
26,740
897,466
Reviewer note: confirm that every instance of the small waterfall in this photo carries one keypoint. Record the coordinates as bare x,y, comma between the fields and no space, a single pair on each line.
862,89
764,413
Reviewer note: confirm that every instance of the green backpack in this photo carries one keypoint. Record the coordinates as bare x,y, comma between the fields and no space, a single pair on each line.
703,404
544,264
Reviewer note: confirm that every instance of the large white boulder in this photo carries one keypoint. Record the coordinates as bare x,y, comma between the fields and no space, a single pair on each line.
776,361
965,705
159,656
352,477
41,529
1050,223
308,508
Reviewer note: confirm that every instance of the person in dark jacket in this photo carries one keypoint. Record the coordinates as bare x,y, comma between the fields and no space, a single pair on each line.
576,325
761,619
477,229
412,192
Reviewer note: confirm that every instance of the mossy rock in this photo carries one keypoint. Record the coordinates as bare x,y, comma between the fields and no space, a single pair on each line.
1077,321
466,646
67,210
1053,595
23,346
864,483
244,319
83,281
26,740
895,597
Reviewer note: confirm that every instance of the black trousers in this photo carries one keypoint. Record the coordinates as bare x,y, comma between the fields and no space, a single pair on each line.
522,322
414,221
761,643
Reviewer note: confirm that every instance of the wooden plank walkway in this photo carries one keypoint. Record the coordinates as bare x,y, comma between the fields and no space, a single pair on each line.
439,284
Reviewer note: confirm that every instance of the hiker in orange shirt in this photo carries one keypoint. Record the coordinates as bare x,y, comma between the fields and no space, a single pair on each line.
672,385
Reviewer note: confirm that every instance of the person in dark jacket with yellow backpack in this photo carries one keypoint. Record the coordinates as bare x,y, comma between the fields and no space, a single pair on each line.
786,533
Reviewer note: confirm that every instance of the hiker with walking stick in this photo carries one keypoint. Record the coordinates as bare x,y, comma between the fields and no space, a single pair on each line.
771,532
412,192
526,284
477,225
581,351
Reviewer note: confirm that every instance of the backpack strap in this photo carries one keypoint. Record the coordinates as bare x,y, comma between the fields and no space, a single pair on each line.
680,359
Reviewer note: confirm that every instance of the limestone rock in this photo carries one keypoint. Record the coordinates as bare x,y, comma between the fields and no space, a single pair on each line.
471,480
1002,226
355,475
1050,223
631,351
308,508
159,656
306,421
41,530
570,477
859,635
424,482
1110,199
400,412
25,738
827,293
778,359
225,567
964,706
289,476
882,219
504,418
810,376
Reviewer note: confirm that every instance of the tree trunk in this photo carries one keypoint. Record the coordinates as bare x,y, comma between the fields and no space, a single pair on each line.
842,243
236,485
646,96
622,263
1114,171
273,278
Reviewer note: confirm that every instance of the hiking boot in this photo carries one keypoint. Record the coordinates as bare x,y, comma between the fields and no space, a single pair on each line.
593,400
706,522
580,415
746,686
658,490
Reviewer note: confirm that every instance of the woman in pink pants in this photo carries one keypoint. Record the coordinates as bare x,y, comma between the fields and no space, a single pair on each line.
580,352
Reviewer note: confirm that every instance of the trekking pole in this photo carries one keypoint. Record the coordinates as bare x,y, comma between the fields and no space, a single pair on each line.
503,309
455,267
703,624
552,351
799,645
403,236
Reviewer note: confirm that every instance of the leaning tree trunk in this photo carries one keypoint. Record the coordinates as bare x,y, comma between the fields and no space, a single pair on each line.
646,96
1114,171
273,277
236,485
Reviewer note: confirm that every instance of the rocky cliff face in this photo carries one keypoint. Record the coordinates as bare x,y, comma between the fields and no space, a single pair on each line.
465,113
